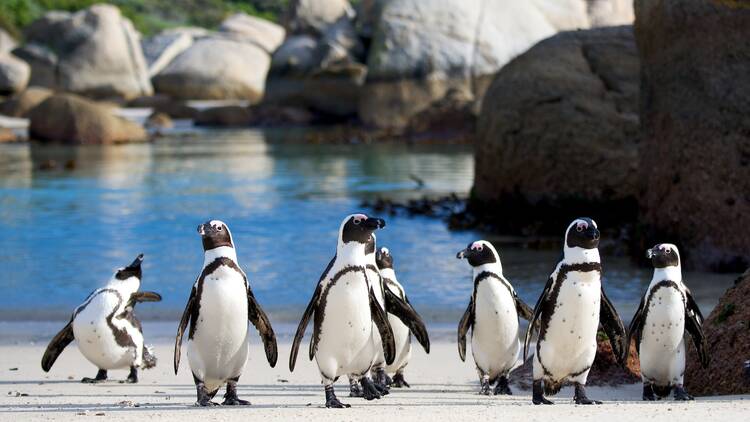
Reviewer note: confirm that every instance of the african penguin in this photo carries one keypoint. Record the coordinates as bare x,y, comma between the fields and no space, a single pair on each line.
665,313
492,315
345,307
569,312
106,329
401,332
220,305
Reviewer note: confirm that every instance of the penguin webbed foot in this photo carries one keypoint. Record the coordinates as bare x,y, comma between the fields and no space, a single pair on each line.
382,380
205,402
369,390
537,396
101,376
580,396
204,398
132,377
399,381
354,390
681,395
648,393
230,397
484,389
332,402
502,387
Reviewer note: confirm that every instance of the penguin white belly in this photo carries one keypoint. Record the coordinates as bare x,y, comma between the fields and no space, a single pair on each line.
96,339
662,348
219,347
569,346
346,345
379,359
494,337
401,337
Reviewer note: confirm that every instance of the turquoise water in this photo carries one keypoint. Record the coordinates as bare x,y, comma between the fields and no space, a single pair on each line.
65,231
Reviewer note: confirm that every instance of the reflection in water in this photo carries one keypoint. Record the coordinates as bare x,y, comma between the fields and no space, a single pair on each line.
66,230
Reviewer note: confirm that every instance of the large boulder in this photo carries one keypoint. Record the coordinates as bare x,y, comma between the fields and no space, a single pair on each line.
7,42
314,16
68,118
94,52
727,332
20,104
162,48
14,74
216,68
421,49
695,158
267,35
558,130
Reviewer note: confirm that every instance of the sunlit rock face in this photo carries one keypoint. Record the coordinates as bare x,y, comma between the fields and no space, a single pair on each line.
695,157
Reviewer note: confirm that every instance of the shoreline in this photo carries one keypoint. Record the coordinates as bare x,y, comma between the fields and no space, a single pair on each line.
442,387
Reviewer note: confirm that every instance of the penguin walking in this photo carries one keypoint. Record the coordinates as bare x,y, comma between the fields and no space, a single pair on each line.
569,312
492,315
401,332
220,305
106,329
666,311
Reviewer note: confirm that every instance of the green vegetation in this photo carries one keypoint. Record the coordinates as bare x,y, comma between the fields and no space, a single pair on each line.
149,16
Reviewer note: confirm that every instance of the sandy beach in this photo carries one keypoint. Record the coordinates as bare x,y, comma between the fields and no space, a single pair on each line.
443,388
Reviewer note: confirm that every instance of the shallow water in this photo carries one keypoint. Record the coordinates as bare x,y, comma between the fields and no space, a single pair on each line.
65,231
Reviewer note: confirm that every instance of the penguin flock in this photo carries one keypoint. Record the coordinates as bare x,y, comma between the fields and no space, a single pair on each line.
363,321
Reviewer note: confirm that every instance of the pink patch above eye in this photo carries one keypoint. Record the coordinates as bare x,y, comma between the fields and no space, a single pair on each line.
476,246
582,225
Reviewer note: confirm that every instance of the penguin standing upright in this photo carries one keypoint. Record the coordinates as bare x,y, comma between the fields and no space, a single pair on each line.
105,326
220,304
666,311
345,307
492,315
569,311
401,331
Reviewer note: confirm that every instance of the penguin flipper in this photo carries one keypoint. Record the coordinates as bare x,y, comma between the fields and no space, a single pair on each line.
467,320
537,312
260,320
139,297
523,310
635,329
406,313
613,327
694,326
57,345
380,319
181,328
300,334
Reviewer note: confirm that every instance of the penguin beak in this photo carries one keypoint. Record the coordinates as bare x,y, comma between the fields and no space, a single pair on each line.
593,233
373,223
649,253
202,229
463,254
136,263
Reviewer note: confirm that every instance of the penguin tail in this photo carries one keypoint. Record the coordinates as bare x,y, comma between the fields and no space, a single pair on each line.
551,388
662,390
149,358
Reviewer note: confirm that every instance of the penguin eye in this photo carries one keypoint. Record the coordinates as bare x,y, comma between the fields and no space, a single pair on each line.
220,228
579,228
669,251
357,221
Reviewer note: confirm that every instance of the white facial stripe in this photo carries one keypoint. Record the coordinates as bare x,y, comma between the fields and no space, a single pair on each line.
477,246
385,251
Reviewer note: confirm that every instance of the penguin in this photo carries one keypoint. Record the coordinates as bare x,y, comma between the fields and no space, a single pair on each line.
401,332
667,310
220,304
346,312
569,312
492,315
106,329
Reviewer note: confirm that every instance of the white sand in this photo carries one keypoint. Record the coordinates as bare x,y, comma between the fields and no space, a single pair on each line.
443,388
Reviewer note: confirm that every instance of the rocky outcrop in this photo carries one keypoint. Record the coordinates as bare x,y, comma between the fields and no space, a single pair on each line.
695,157
558,129
267,35
7,135
216,68
14,74
421,49
95,52
162,48
727,332
68,118
20,104
312,17
7,43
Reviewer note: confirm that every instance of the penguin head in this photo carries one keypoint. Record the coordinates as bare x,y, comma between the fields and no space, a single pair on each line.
664,255
479,253
132,270
359,228
582,233
215,234
384,259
